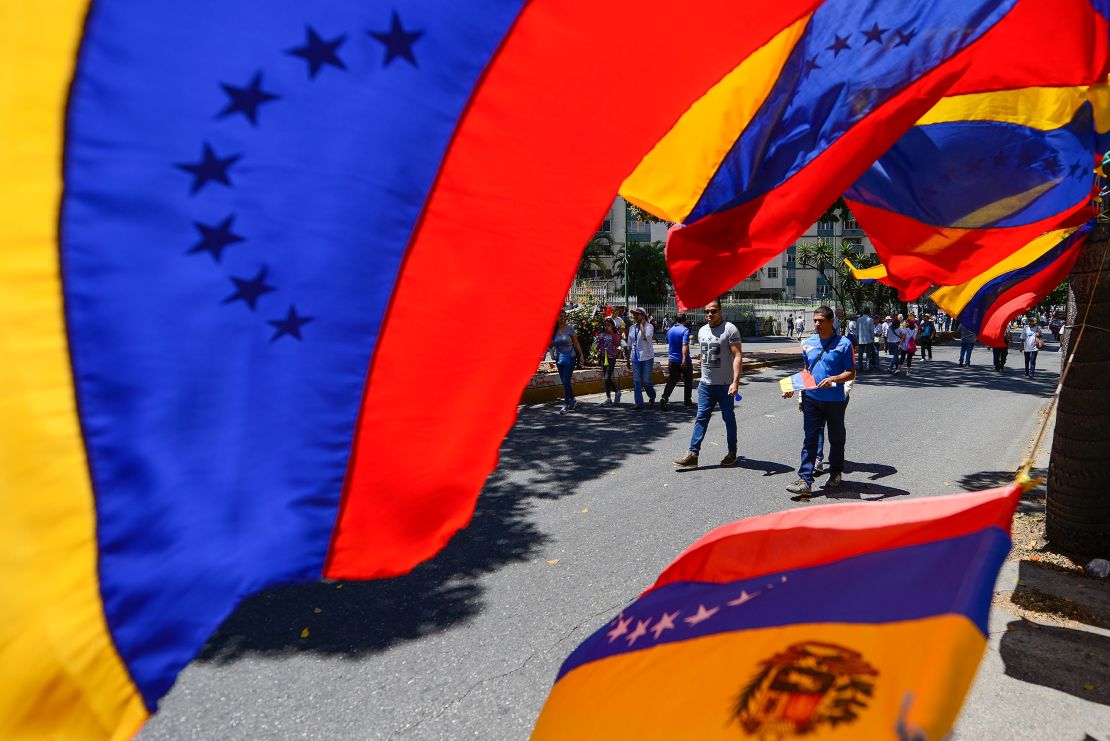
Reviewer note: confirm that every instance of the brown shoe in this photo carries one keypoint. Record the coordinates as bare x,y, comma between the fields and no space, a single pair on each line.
729,460
690,460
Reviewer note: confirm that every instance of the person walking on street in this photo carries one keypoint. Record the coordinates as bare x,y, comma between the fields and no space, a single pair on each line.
679,363
722,367
1032,340
608,347
831,361
641,336
819,466
800,327
1000,354
892,340
790,326
907,345
967,344
567,354
925,336
865,329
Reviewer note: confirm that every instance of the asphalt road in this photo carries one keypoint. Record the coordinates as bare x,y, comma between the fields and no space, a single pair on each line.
583,512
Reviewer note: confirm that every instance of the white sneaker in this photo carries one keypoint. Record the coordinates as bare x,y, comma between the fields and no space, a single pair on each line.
608,402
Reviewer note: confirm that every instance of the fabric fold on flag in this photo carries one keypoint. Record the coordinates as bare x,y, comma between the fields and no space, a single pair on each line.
978,177
870,617
875,273
988,303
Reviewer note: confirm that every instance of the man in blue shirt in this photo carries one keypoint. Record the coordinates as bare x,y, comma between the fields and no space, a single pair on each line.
829,357
679,364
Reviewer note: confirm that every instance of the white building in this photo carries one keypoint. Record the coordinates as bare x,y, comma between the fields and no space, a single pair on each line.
780,278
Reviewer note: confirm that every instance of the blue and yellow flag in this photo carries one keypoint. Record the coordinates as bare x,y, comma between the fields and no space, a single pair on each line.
850,621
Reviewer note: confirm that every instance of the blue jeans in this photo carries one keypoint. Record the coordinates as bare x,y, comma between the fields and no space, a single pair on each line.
710,395
1030,362
815,416
565,364
965,352
894,354
641,380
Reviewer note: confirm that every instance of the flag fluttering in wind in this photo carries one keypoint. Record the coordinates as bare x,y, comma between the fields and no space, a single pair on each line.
240,241
751,166
987,303
979,177
860,619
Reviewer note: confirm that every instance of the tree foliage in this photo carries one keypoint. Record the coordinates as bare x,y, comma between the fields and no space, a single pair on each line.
850,293
593,256
648,278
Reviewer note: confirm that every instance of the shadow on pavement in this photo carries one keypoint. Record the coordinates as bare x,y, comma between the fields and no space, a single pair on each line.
545,456
1032,501
1072,661
861,490
945,373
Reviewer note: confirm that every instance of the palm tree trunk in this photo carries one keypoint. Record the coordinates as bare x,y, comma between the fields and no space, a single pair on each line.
1078,509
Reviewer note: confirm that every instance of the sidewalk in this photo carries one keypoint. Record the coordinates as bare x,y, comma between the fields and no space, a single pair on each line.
1046,670
546,385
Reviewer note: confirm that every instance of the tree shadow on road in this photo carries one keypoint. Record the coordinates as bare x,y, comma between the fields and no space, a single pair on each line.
942,373
1032,500
545,456
861,490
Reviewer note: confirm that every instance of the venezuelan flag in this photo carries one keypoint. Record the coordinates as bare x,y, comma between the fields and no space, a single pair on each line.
755,162
987,303
851,621
242,244
978,177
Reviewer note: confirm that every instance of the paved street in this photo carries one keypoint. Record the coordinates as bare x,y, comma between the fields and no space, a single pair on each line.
583,512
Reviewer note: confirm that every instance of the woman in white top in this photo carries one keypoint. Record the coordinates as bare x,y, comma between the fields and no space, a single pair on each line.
1031,342
906,334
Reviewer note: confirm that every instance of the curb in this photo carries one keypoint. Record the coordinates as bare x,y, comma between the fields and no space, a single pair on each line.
583,388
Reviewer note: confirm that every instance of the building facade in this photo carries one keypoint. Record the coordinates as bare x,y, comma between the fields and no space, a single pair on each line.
781,278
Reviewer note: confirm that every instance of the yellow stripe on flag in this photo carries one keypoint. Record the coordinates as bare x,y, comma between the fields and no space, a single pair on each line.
671,177
875,272
1043,108
759,684
60,674
953,299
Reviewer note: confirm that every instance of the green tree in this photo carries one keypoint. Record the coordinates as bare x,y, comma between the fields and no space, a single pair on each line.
593,256
648,277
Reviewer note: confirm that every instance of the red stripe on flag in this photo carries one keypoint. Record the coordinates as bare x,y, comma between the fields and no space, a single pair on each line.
538,141
918,255
813,536
1024,296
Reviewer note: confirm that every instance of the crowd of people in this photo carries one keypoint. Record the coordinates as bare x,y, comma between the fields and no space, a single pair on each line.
831,355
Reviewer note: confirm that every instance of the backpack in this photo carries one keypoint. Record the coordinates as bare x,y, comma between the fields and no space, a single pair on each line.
911,344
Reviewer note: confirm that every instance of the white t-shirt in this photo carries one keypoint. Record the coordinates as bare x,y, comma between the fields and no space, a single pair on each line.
641,342
716,352
892,332
1029,338
866,328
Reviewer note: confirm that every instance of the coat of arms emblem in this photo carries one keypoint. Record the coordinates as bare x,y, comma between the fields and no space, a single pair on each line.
807,685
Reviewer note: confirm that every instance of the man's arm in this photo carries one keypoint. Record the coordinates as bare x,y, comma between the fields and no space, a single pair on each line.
737,367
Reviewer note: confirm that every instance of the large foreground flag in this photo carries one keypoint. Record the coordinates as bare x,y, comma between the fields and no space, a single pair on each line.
757,160
859,621
239,241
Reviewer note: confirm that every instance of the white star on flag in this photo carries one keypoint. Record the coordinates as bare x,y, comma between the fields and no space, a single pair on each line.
664,623
621,629
701,616
641,630
745,596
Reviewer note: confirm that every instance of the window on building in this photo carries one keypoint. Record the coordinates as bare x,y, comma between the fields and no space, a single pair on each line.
753,276
851,223
772,272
